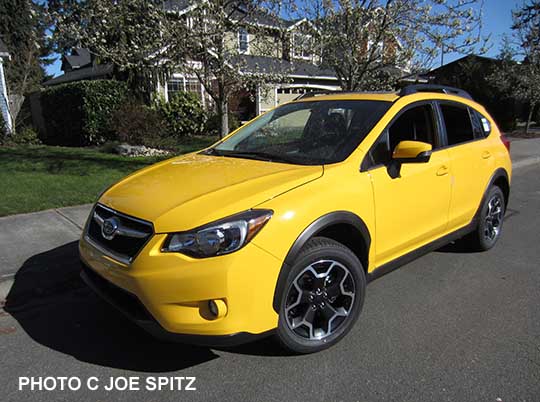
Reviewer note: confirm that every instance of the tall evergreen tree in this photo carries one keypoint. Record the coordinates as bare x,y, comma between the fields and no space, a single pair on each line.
521,80
23,30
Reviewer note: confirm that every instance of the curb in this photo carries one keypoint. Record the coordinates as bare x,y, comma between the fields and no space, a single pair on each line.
5,287
526,162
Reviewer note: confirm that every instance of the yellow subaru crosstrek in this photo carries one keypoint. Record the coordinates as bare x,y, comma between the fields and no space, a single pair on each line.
278,227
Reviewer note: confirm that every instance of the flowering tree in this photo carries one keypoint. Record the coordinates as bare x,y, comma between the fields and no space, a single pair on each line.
365,40
217,57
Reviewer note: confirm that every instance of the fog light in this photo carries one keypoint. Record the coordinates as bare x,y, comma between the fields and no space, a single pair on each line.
217,308
212,306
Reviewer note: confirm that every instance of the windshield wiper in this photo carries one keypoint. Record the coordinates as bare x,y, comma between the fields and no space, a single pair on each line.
263,156
211,151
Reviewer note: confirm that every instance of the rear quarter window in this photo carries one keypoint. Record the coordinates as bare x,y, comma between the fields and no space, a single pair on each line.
482,126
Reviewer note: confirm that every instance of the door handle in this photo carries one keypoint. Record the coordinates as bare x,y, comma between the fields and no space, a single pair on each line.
443,170
486,154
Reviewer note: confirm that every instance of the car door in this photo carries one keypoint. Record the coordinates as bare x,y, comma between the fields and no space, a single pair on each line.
470,160
411,208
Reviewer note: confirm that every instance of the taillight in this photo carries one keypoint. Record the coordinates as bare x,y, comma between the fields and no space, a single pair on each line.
505,141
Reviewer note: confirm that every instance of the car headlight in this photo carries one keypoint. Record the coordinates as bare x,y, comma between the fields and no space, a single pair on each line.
221,237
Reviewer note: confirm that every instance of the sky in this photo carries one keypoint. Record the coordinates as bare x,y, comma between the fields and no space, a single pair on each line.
497,19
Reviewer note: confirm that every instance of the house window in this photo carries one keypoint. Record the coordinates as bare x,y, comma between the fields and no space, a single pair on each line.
243,41
174,86
184,85
302,46
194,86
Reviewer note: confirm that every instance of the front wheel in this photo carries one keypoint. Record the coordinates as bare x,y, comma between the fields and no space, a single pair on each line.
323,297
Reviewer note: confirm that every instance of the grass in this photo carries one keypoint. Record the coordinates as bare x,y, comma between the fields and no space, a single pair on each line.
33,178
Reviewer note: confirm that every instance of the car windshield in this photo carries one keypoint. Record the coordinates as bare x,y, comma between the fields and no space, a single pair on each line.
305,133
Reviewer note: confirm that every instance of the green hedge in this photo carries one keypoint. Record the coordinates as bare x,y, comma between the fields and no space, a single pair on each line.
78,113
183,114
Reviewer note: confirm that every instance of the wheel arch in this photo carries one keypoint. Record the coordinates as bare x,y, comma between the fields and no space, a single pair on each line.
344,227
500,179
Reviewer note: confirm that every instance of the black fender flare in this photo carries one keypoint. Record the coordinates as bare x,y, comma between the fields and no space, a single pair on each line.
499,173
325,221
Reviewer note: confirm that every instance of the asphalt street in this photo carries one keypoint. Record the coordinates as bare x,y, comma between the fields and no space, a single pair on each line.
451,326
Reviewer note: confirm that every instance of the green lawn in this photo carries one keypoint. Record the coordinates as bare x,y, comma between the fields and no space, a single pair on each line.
34,178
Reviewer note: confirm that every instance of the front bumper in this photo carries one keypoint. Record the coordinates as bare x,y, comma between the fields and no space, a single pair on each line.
167,293
132,308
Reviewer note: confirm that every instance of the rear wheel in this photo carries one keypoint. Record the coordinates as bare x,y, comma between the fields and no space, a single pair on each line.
323,297
490,221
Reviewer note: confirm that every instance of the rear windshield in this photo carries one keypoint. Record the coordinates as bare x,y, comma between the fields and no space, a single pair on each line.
307,133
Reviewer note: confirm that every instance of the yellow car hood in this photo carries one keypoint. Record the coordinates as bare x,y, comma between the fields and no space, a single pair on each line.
185,192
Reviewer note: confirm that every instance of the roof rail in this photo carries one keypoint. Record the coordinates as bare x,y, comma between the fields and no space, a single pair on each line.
331,92
413,89
312,94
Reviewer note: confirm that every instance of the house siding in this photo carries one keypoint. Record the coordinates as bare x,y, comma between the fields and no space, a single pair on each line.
4,104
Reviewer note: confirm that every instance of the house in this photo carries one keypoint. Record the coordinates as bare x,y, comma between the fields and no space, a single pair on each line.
4,102
264,44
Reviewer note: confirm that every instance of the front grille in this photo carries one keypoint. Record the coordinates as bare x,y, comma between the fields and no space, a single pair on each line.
129,238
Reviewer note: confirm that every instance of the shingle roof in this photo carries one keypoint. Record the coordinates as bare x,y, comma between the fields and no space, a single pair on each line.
272,65
258,16
176,5
92,72
80,57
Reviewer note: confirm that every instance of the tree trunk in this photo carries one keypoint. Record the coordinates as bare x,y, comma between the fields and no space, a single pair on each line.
531,110
223,112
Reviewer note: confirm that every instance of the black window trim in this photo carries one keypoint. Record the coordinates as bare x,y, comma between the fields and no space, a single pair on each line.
439,102
366,166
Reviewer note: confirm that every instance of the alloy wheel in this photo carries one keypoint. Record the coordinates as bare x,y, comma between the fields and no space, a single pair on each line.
493,219
320,299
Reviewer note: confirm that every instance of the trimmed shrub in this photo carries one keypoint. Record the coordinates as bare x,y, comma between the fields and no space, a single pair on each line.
25,136
213,125
138,124
79,113
183,114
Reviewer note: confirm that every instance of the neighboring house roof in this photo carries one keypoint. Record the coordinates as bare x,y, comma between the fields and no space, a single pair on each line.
257,17
430,75
86,73
468,58
4,50
272,65
79,58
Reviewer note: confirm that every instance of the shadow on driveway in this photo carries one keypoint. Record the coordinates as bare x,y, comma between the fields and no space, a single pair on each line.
54,306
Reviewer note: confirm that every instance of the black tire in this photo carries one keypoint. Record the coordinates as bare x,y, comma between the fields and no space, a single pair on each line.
489,229
338,291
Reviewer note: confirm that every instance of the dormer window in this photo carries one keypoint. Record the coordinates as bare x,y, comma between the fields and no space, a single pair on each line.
302,46
243,41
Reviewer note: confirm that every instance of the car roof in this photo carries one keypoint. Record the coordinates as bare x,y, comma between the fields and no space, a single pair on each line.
377,96
417,92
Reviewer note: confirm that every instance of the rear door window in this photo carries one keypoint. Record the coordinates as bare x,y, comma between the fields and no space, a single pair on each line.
459,128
